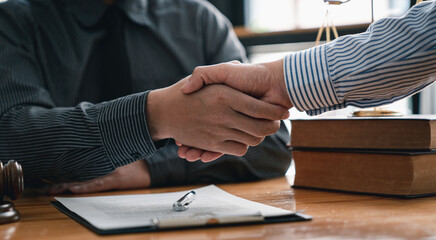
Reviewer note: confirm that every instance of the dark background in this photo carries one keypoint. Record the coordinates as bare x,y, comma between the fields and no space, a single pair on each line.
233,9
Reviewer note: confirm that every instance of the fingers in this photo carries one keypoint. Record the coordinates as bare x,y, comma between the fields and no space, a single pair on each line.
233,148
236,131
182,150
193,83
250,131
130,176
207,75
95,185
246,137
263,81
193,154
258,109
204,156
57,188
228,147
209,156
222,120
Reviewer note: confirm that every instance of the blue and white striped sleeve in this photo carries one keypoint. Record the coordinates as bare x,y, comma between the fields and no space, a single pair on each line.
393,59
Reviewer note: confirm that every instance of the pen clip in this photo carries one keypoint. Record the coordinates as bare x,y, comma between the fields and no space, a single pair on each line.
183,203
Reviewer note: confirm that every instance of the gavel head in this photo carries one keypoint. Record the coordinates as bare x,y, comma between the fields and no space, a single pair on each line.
11,180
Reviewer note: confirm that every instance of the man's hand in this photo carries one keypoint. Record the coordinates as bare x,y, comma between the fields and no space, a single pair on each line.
218,118
134,175
263,81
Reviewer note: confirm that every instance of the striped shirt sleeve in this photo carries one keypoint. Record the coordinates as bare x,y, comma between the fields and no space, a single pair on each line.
61,143
393,59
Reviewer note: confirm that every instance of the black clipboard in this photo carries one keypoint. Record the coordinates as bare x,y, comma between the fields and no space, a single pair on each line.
266,220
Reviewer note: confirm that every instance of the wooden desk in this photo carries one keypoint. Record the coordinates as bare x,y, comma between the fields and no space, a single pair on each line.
336,216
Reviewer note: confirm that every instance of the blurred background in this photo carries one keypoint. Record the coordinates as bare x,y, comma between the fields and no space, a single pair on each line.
269,29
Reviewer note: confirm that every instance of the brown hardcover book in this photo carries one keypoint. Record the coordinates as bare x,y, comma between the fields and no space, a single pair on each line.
403,174
415,132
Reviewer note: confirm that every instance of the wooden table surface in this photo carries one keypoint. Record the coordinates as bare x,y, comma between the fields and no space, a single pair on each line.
335,216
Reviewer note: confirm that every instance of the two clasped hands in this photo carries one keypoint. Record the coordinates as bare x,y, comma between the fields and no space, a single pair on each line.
253,99
219,109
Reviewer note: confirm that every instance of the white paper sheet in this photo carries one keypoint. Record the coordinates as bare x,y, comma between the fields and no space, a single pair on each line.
129,211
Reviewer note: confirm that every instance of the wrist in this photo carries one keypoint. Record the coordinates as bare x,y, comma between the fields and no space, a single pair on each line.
276,78
156,115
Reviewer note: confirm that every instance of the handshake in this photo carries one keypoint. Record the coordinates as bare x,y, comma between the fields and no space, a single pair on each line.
220,109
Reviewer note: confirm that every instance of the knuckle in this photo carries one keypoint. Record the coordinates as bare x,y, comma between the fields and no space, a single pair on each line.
198,70
270,127
218,119
233,148
254,141
275,127
215,145
99,182
241,150
276,112
280,113
220,98
221,95
216,95
253,109
258,130
259,140
192,155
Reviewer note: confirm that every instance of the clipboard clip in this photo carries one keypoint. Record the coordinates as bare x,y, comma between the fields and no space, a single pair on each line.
206,219
183,203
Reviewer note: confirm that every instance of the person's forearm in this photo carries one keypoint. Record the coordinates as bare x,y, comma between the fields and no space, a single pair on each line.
393,59
76,143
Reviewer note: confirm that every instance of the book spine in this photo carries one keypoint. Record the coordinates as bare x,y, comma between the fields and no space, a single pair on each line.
360,134
355,172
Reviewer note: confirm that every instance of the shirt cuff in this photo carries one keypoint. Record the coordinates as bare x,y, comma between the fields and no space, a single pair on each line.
123,128
308,82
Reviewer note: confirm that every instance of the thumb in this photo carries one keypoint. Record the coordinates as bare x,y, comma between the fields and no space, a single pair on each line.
205,75
193,84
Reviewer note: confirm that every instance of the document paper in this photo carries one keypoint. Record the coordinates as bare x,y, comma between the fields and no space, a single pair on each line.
130,211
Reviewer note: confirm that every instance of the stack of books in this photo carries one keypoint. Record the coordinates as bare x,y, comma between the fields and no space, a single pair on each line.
380,155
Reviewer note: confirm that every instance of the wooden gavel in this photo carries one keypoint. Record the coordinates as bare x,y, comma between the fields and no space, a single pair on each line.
11,185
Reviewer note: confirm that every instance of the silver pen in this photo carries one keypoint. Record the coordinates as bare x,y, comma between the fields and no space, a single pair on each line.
183,203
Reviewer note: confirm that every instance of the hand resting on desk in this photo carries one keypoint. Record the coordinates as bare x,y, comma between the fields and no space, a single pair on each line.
131,176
